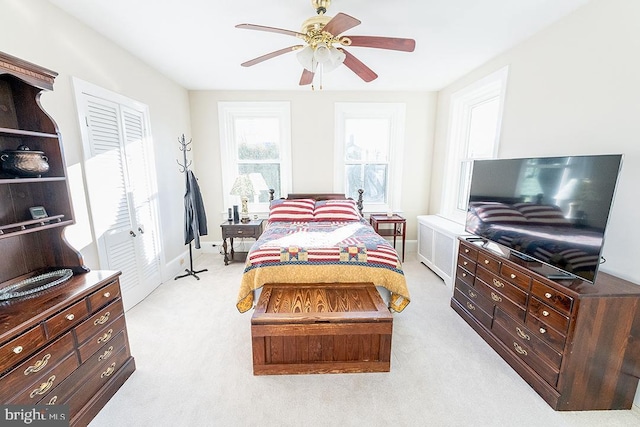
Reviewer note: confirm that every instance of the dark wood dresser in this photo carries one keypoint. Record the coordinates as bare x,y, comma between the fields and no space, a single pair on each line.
66,345
576,343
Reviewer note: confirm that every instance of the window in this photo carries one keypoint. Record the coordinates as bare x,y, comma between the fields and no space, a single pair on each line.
255,140
474,132
369,145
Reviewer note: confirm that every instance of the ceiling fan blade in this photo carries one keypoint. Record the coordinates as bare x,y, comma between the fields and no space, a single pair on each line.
270,29
391,43
262,58
306,78
355,65
340,23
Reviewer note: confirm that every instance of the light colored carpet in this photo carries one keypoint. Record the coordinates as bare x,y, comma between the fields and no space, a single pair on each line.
194,368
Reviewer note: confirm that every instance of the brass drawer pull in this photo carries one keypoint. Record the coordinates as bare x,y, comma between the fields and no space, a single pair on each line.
239,231
543,331
106,354
498,284
522,334
486,261
464,274
520,349
106,337
53,400
513,276
545,313
70,316
109,371
466,251
102,320
44,387
464,263
38,365
495,297
547,295
106,294
18,349
471,306
472,294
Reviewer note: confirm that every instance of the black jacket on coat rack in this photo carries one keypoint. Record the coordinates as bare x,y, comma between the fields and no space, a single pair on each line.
195,217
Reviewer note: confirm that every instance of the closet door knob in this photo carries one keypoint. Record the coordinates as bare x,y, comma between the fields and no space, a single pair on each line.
132,233
140,230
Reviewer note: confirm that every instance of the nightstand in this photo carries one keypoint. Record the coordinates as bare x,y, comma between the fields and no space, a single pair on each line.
398,229
231,230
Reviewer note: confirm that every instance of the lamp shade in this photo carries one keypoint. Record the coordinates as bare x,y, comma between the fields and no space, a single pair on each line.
243,186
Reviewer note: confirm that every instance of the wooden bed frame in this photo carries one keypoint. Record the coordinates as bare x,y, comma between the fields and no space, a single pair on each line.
323,196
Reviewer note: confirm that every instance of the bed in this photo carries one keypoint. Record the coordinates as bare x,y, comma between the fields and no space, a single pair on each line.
321,238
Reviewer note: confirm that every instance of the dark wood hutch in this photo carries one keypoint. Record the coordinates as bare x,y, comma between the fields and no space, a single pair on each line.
67,344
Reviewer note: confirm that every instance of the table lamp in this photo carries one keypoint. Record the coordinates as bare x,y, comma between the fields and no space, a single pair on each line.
243,187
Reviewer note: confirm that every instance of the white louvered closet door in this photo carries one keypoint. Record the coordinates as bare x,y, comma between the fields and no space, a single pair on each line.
121,195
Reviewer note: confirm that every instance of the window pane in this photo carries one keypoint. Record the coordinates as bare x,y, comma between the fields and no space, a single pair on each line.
482,129
263,176
258,138
367,140
464,185
371,178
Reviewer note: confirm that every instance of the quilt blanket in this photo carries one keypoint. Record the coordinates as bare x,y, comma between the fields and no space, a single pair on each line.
322,252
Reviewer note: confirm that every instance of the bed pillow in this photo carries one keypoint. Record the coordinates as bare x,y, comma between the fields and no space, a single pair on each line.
542,214
497,213
291,210
336,210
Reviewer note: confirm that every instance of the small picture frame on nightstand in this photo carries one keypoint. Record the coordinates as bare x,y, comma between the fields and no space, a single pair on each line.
38,212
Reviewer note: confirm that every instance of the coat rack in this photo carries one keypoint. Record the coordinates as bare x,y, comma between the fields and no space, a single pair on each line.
184,168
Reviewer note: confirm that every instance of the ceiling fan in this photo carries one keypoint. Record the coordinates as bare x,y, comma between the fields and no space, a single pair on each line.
323,49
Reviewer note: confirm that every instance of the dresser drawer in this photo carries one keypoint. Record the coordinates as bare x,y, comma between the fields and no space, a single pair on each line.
548,315
523,350
467,264
549,335
66,319
464,276
506,288
501,300
30,371
490,263
473,295
104,296
96,378
105,335
468,251
45,382
554,298
517,329
515,276
96,324
473,309
20,347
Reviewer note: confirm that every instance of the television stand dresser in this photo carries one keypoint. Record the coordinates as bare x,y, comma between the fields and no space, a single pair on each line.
66,344
576,343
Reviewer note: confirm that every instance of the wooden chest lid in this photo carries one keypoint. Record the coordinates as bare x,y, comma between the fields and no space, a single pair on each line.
320,303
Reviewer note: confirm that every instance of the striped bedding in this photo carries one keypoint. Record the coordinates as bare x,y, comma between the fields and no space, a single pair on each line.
322,252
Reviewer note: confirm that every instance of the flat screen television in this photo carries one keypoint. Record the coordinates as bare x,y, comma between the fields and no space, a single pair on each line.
551,210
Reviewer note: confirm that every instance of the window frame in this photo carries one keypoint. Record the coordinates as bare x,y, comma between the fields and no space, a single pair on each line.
490,87
228,112
395,113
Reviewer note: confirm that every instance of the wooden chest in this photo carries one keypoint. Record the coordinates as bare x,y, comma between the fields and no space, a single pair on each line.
321,328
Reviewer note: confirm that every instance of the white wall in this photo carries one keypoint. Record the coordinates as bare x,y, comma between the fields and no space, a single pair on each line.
573,88
312,122
38,32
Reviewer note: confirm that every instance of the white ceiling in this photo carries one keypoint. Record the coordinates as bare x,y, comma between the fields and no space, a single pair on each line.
195,42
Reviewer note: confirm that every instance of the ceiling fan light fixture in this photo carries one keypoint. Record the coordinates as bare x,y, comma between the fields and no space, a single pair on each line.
306,58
